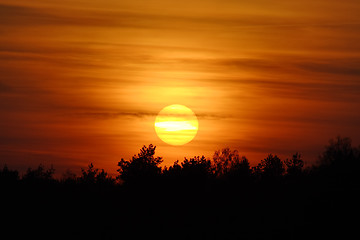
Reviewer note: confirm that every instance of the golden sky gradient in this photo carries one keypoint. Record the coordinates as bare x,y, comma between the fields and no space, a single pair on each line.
82,81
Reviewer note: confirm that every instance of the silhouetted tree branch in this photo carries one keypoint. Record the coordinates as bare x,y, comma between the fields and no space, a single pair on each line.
294,165
92,176
224,160
8,176
271,167
142,167
39,175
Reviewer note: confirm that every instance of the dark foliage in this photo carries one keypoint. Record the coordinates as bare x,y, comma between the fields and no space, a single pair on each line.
8,176
240,170
92,176
339,162
39,175
68,177
339,153
224,161
196,168
228,165
142,168
271,167
191,171
294,165
197,198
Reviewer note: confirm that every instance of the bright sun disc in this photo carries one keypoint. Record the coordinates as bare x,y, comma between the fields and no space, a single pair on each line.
176,124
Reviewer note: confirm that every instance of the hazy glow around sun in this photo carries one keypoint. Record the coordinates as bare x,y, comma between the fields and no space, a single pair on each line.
176,124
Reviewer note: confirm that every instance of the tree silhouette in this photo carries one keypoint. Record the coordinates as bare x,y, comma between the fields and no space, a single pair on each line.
103,178
92,176
142,167
88,176
193,171
339,161
294,165
68,177
196,197
196,168
224,160
39,174
271,167
240,170
339,152
8,176
173,172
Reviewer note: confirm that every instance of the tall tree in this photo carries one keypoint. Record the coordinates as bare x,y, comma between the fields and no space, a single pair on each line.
271,167
142,167
294,165
338,152
340,160
224,160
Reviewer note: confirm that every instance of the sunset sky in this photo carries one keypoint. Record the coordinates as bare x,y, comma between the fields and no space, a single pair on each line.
82,81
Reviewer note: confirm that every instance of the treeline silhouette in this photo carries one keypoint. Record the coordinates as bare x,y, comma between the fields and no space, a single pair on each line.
198,198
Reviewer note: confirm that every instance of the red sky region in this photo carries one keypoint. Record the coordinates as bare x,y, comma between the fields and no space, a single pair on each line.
82,81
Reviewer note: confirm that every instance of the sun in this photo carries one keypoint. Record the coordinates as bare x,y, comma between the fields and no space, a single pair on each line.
176,124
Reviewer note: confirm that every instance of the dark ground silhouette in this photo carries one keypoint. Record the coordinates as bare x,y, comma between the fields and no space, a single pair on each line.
198,198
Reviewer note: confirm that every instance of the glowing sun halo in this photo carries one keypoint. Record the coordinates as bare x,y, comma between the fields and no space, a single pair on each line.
176,124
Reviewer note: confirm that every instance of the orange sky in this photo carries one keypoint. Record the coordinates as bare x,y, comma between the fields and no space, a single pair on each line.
82,81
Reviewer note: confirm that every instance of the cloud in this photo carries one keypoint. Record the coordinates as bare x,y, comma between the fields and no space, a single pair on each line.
120,114
4,88
112,115
286,76
14,15
286,63
333,66
11,15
